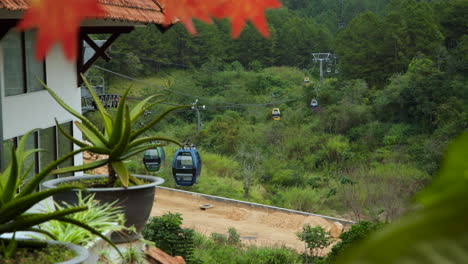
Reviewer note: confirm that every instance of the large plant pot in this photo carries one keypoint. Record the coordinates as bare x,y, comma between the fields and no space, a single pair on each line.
136,201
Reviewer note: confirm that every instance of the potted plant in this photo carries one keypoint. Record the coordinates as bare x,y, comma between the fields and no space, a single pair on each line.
17,196
119,141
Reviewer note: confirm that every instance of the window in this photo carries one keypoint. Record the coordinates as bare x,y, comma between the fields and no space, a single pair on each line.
7,145
53,144
65,146
47,142
20,66
30,162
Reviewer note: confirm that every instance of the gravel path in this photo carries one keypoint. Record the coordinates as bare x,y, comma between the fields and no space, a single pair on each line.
256,226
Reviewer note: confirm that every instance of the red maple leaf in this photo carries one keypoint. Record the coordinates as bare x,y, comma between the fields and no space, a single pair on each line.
185,10
58,21
239,11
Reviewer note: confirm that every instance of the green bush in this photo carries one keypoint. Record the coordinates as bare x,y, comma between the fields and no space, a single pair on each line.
356,233
316,238
168,235
302,199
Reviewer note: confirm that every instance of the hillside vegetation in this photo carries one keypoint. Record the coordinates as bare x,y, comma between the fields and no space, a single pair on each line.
398,96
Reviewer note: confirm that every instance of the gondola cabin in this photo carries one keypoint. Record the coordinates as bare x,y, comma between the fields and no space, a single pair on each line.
276,114
154,159
186,166
314,103
306,81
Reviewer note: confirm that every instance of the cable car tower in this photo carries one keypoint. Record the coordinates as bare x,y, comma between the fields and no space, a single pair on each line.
341,23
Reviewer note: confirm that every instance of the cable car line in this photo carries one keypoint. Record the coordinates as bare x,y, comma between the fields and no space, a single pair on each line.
228,104
149,59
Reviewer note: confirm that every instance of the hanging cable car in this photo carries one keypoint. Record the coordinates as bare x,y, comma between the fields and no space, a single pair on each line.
186,166
276,114
306,81
314,103
154,159
329,69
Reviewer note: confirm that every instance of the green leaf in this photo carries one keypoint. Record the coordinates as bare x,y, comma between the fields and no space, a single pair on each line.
453,174
90,229
137,150
137,110
10,250
70,137
19,205
122,172
41,231
93,138
140,141
125,139
119,123
26,221
102,111
13,177
22,144
435,233
34,183
154,122
83,167
83,119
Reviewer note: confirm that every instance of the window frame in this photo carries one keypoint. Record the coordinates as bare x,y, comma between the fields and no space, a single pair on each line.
25,68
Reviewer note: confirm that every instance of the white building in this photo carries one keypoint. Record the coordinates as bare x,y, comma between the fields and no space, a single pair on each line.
25,105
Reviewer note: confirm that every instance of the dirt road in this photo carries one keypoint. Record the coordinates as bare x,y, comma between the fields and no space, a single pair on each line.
256,226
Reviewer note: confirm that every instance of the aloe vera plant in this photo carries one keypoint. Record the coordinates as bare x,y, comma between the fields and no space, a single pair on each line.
118,140
17,196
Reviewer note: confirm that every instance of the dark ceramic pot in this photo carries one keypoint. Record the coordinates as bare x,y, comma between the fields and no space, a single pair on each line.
136,201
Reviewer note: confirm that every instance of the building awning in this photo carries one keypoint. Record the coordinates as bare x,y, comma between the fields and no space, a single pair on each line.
140,11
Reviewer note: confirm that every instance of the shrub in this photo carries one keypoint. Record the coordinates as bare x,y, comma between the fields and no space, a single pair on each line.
316,238
167,234
303,199
101,217
359,231
233,236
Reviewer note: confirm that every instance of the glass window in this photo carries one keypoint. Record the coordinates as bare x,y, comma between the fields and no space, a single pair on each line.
20,65
184,162
7,145
33,67
151,154
65,146
13,63
30,162
47,144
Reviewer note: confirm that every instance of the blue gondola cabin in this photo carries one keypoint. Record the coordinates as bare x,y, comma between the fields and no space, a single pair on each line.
186,166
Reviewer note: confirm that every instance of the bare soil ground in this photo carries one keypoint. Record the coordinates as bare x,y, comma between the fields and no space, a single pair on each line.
256,226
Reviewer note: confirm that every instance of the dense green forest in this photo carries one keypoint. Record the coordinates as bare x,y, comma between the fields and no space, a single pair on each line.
394,97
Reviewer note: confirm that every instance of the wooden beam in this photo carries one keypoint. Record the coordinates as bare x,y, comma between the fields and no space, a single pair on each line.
162,28
83,66
99,52
106,30
6,25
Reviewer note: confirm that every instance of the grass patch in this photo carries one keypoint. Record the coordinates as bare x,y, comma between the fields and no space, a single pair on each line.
48,255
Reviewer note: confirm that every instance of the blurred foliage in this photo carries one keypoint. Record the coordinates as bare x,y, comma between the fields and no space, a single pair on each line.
433,233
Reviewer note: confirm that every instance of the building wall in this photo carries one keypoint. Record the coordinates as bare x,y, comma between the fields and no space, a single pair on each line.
21,113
